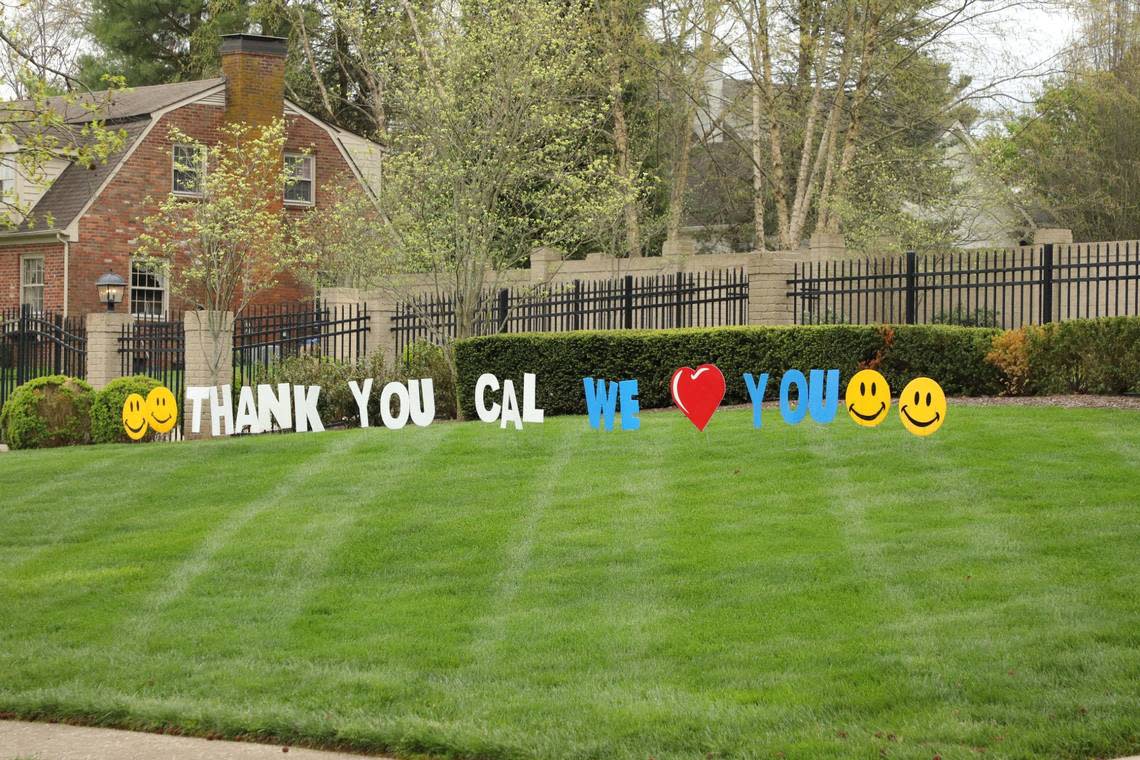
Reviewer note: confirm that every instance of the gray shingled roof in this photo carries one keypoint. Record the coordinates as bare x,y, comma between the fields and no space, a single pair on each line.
76,185
128,110
124,104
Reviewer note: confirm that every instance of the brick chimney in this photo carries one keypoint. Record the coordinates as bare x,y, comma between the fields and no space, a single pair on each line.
254,67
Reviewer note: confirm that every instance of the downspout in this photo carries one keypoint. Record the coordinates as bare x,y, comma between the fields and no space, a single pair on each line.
61,237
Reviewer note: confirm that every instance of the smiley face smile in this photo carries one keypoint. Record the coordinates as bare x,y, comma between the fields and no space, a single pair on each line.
868,417
134,417
919,423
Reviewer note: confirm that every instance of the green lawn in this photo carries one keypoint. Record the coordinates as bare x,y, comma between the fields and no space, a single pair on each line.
799,592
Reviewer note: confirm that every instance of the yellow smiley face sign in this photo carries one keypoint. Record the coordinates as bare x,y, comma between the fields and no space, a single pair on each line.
922,406
868,398
161,410
157,412
134,417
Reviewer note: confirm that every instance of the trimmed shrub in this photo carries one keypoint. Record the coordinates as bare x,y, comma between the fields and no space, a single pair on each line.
49,411
107,408
955,356
1085,356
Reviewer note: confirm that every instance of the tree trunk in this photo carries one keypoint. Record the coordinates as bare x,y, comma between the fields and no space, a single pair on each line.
625,165
857,99
758,235
776,156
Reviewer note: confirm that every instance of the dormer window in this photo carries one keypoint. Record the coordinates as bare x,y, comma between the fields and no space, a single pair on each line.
299,170
189,169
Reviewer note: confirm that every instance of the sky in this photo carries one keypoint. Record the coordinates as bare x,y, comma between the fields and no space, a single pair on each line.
1015,49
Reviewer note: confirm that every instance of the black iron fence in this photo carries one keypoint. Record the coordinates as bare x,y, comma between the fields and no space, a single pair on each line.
684,299
265,335
155,346
36,343
1004,288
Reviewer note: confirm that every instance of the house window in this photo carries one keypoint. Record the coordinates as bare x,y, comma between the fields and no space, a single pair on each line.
7,179
189,165
299,170
148,291
32,282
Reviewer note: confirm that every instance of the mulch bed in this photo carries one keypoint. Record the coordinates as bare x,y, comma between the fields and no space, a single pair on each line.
1070,402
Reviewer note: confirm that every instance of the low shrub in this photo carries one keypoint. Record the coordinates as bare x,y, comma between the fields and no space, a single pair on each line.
955,356
49,411
107,408
1010,354
1085,356
423,359
336,404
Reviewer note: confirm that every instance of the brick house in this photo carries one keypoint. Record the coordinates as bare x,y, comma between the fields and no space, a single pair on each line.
96,213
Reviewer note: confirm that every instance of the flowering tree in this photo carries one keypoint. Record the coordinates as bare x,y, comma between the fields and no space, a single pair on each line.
234,240
493,151
38,39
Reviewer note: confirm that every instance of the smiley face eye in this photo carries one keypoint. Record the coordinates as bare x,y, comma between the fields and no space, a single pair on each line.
873,388
928,399
916,397
863,389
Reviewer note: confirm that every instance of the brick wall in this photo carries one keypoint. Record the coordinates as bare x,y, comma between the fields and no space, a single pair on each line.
255,86
10,257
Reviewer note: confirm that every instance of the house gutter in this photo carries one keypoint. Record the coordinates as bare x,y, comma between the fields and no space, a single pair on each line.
30,236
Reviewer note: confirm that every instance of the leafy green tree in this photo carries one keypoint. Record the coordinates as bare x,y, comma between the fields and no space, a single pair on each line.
495,151
1078,153
160,41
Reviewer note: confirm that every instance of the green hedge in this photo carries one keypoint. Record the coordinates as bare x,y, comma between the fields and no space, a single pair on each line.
1085,356
107,409
54,410
955,356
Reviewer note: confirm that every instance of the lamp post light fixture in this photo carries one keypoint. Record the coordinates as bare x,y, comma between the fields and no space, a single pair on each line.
111,288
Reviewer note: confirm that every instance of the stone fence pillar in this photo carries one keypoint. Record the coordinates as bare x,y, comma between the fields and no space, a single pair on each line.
381,338
103,360
209,348
768,302
1055,235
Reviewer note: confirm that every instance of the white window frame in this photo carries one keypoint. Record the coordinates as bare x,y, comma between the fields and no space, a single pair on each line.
25,286
310,160
174,170
132,287
9,193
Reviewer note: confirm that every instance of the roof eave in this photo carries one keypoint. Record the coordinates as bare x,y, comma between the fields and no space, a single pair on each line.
27,236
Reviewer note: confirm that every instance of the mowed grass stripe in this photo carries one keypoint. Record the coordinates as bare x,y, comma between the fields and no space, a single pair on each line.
588,604
268,557
83,516
24,494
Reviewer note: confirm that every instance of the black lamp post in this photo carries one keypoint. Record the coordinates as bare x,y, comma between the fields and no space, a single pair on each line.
111,288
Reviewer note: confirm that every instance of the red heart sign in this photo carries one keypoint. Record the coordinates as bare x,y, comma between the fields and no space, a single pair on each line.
698,393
